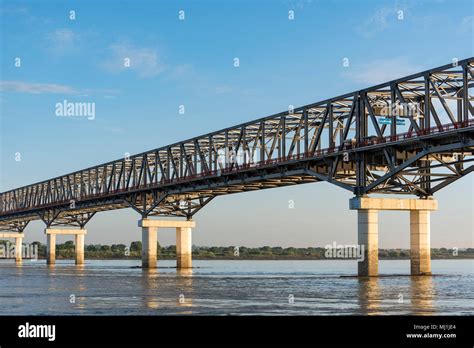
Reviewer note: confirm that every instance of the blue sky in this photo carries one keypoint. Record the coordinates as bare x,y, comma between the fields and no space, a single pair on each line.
190,62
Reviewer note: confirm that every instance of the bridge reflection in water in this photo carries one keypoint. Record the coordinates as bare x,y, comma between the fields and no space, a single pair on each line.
369,295
378,295
153,283
422,295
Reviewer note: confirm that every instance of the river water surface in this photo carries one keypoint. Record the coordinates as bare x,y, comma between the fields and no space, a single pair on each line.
326,287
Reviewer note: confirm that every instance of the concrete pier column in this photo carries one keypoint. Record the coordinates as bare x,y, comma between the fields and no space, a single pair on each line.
183,248
149,247
18,244
419,230
368,239
51,249
18,249
51,245
183,241
420,253
79,249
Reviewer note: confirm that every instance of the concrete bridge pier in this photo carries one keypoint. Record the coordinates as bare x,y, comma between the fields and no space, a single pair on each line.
420,256
50,248
149,246
51,234
18,248
183,241
420,251
18,243
368,236
183,248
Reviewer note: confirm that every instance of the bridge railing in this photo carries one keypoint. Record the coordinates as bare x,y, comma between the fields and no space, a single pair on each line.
412,134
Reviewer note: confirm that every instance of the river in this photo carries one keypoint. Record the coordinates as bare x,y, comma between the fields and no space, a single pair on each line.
218,287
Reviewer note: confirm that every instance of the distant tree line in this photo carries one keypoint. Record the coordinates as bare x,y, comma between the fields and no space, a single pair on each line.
133,251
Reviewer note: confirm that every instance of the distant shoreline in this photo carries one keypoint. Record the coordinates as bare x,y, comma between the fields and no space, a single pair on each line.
254,259
133,251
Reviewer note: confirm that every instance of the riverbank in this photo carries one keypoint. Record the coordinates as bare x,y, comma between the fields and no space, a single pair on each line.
133,251
261,258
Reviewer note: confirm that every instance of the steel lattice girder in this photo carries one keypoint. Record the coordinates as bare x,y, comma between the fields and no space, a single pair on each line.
403,137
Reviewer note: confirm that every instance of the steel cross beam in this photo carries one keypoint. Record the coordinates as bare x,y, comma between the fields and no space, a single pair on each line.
413,135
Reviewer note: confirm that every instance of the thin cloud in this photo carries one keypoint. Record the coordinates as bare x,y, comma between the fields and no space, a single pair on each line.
114,129
224,89
22,13
17,10
381,70
36,88
62,41
178,72
382,19
142,60
299,4
51,88
467,24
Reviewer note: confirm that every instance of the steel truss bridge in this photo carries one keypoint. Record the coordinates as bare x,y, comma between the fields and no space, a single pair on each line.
413,135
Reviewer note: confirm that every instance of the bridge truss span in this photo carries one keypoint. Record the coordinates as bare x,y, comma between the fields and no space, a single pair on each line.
413,135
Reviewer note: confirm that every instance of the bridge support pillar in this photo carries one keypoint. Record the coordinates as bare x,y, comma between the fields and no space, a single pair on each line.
183,241
149,246
420,251
51,234
18,248
79,249
51,249
18,243
183,248
368,238
419,231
